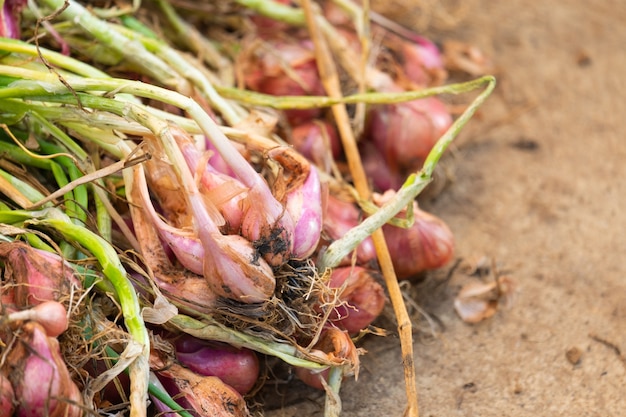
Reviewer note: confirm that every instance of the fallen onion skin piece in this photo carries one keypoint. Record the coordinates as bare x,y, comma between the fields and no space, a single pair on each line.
238,368
304,204
208,396
40,379
7,396
364,296
37,275
427,244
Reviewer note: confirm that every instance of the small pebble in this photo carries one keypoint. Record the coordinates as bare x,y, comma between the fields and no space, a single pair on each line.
573,355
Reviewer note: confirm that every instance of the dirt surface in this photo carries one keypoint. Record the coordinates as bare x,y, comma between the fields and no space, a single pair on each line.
538,187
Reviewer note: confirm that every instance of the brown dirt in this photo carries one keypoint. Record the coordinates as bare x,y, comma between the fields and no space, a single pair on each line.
550,215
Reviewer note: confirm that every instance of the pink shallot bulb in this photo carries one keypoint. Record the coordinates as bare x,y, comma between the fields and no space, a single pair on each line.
318,141
39,376
237,367
363,297
336,345
224,192
422,61
341,216
404,133
282,67
7,396
304,204
36,275
427,244
229,263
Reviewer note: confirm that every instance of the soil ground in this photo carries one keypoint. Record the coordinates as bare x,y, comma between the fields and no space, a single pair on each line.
538,186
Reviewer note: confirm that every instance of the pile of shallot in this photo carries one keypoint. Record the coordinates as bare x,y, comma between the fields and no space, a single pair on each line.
174,177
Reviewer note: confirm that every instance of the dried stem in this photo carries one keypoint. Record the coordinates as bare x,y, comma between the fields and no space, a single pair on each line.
328,73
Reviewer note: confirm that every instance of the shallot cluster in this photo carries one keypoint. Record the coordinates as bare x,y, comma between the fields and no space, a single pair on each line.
169,234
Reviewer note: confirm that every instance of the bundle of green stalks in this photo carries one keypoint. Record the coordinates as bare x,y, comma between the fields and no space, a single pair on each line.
191,194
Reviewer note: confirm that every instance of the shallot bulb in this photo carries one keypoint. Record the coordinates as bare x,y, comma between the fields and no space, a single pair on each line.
51,315
282,67
39,376
238,368
318,141
223,191
421,60
334,344
341,216
9,18
427,244
363,297
304,204
36,275
229,263
404,133
7,396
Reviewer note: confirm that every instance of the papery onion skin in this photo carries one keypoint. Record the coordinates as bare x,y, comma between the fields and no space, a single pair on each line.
207,396
39,376
238,368
363,295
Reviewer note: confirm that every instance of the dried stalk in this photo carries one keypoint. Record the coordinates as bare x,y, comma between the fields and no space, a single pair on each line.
330,79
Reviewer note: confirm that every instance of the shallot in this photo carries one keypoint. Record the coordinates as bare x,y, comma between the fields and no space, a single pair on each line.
238,368
39,376
362,296
36,275
304,204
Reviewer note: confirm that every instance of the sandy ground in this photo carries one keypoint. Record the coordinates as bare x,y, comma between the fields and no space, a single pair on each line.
538,185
